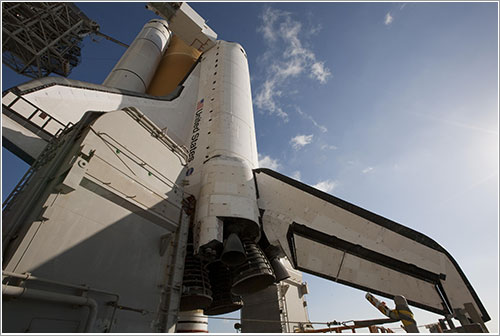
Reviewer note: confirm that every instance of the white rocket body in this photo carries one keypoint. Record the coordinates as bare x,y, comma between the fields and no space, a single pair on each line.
136,67
222,147
221,142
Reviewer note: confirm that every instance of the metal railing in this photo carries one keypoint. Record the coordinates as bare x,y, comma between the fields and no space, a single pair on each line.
10,108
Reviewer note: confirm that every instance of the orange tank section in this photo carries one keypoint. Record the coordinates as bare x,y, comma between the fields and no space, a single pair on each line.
173,68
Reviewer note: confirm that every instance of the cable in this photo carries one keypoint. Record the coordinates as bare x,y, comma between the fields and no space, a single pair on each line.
343,323
419,326
267,321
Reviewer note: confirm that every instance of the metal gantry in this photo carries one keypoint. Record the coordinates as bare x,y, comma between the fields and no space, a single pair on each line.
40,38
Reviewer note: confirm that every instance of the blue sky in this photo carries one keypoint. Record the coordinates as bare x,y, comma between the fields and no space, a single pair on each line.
390,106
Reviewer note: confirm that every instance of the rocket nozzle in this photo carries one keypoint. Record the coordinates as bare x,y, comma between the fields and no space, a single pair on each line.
253,275
233,253
221,281
279,270
196,292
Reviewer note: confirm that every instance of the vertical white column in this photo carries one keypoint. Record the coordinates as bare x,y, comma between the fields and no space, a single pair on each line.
223,149
137,66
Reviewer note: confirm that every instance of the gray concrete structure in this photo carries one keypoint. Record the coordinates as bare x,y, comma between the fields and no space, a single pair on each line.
102,210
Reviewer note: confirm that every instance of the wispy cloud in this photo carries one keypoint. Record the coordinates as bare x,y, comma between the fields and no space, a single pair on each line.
456,123
265,161
328,147
265,99
297,175
468,189
315,29
269,18
322,128
300,141
367,170
286,58
388,19
389,16
327,186
320,72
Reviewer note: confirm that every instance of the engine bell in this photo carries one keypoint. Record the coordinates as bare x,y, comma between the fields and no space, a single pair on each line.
233,253
223,300
255,274
279,269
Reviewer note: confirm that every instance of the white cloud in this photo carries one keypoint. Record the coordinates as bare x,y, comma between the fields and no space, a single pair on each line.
456,123
367,170
300,141
269,17
265,161
297,175
320,72
329,147
286,58
388,19
327,186
265,99
322,128
291,68
315,29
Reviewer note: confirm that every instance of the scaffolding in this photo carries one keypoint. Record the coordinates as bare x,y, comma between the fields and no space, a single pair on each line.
43,38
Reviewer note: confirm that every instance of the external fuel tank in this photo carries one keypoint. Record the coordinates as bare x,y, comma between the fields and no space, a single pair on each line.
174,66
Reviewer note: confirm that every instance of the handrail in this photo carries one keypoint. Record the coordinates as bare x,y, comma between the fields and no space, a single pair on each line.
28,276
18,97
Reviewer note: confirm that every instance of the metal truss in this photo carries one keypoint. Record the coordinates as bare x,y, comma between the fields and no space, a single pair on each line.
40,38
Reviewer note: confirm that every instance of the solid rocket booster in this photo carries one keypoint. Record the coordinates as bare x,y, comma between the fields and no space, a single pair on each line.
136,67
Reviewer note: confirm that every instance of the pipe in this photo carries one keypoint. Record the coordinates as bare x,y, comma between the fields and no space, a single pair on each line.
29,276
35,294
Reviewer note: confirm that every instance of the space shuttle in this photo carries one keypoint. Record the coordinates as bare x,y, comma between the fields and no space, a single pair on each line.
145,201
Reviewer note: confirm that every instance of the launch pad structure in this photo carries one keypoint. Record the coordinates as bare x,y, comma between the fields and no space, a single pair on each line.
145,209
43,38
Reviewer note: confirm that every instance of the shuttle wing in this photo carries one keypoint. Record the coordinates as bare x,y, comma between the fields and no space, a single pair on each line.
331,238
35,111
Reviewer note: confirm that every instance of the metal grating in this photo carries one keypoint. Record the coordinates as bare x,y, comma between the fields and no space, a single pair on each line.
40,38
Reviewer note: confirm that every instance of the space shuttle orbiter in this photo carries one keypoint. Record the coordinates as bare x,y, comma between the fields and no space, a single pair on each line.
176,147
